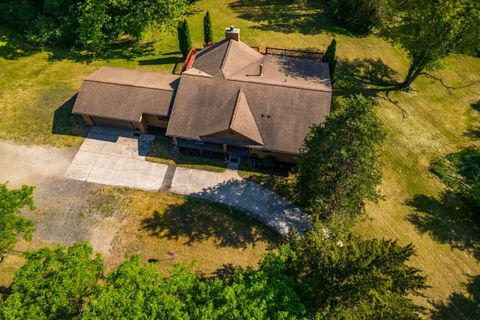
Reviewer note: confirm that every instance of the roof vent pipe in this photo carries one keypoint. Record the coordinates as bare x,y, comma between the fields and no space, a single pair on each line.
261,70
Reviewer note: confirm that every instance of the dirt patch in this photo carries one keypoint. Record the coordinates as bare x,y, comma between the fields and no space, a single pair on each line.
32,165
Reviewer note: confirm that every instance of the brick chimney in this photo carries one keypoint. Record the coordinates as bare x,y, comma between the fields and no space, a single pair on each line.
232,33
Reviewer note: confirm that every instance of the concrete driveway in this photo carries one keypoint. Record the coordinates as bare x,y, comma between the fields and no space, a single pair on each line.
117,158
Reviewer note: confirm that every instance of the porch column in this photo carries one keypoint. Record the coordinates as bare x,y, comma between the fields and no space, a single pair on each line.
88,120
225,149
174,139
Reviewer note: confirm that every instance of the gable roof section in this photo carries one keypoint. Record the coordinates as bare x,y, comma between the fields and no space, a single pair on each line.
126,94
210,59
241,121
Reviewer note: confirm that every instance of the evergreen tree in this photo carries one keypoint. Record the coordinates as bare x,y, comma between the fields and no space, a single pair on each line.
207,28
338,169
347,277
331,59
184,40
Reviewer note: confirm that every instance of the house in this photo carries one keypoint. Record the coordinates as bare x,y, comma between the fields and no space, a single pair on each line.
230,99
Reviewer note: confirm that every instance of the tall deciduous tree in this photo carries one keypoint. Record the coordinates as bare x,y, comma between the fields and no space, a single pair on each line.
207,28
431,30
338,168
184,40
331,58
12,224
89,24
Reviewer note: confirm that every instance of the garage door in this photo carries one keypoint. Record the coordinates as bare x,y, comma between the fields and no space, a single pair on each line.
111,123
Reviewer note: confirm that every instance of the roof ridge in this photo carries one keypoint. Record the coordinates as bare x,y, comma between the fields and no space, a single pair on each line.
237,102
129,85
277,84
224,60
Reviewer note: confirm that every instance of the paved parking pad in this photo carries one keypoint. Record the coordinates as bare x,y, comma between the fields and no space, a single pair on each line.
108,158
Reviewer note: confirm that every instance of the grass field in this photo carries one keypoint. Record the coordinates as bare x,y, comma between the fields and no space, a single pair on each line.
422,124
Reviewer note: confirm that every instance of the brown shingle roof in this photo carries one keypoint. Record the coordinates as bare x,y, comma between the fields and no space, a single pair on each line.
273,100
125,94
282,115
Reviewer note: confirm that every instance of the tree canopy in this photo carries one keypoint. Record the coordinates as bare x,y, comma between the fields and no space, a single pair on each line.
359,16
338,167
89,24
316,277
12,224
431,30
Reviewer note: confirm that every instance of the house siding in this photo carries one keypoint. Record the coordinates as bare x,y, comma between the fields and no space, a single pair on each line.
152,120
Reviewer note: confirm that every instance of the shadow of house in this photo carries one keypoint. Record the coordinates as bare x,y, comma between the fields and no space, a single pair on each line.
448,220
287,16
175,60
66,123
460,306
199,221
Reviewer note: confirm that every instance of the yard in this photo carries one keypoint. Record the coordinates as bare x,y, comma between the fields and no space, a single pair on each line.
159,226
422,125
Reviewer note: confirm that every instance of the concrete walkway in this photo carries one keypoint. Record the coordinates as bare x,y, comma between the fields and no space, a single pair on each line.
115,157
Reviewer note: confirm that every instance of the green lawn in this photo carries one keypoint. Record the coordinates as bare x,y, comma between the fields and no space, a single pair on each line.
422,125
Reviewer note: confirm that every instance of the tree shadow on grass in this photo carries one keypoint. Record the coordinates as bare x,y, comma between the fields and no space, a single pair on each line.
199,221
448,220
366,76
476,106
12,47
460,306
474,133
287,16
125,50
66,123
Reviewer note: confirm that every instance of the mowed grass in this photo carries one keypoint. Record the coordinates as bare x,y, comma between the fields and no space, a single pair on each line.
422,125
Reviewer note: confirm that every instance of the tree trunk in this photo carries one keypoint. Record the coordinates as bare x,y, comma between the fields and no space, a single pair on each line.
412,74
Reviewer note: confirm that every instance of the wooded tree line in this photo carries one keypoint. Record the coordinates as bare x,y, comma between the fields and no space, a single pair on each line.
320,276
89,24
